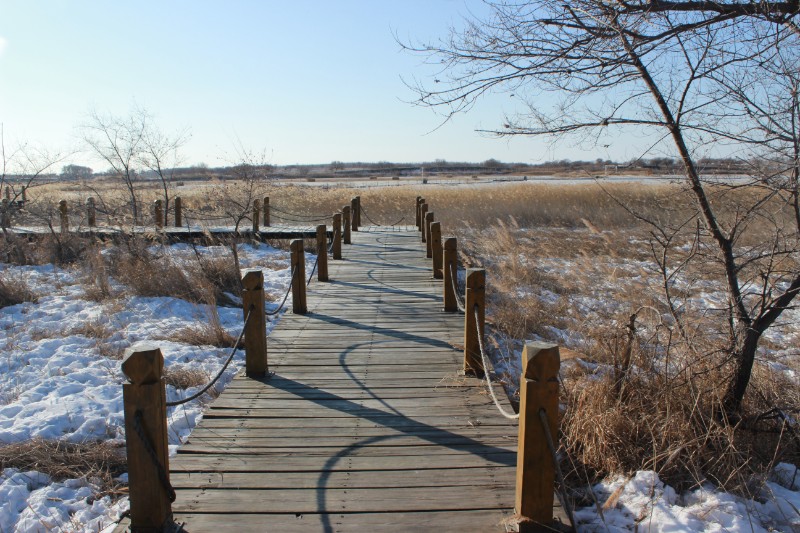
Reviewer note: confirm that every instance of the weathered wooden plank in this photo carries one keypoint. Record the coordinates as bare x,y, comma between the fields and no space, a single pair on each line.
499,476
418,522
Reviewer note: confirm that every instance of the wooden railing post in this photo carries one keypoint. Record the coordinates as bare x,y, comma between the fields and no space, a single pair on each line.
299,306
177,219
158,214
346,223
24,194
267,215
427,232
337,236
358,211
63,211
354,213
475,297
416,210
5,220
436,249
91,212
322,252
449,268
145,407
423,211
535,466
255,335
256,215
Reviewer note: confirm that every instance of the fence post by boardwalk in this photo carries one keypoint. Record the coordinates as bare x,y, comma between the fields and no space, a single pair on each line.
450,258
91,212
177,218
267,221
354,214
436,249
256,215
358,213
5,222
346,223
535,467
475,297
337,236
145,407
255,334
24,194
158,214
416,210
427,232
64,215
322,252
423,211
299,306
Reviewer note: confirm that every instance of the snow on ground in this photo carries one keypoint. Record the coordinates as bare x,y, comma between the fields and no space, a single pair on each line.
643,503
57,380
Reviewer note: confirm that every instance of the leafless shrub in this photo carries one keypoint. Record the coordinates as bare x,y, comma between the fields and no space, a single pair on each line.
14,290
209,333
101,461
182,377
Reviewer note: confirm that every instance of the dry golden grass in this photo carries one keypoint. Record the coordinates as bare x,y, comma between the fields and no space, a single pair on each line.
14,290
101,461
182,377
209,333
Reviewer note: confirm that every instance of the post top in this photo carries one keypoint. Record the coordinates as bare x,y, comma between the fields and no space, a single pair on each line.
253,279
143,364
541,361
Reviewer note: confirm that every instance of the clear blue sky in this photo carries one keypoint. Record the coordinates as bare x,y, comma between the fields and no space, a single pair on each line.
307,81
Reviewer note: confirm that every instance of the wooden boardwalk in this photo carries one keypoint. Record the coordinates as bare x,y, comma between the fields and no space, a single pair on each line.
175,234
365,425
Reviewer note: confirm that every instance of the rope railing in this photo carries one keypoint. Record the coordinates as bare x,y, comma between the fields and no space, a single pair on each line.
163,476
299,215
222,370
454,282
510,416
285,296
375,223
562,497
313,270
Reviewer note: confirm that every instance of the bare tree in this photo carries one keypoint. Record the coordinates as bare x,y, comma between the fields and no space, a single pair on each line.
118,141
23,166
693,73
160,153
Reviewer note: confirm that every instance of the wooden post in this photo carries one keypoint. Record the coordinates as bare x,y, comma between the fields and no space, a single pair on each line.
255,335
427,232
267,214
145,407
423,210
475,297
416,210
346,222
91,212
178,217
337,236
64,215
436,249
322,252
535,466
5,222
256,215
8,193
24,194
299,306
358,212
450,258
158,214
354,214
